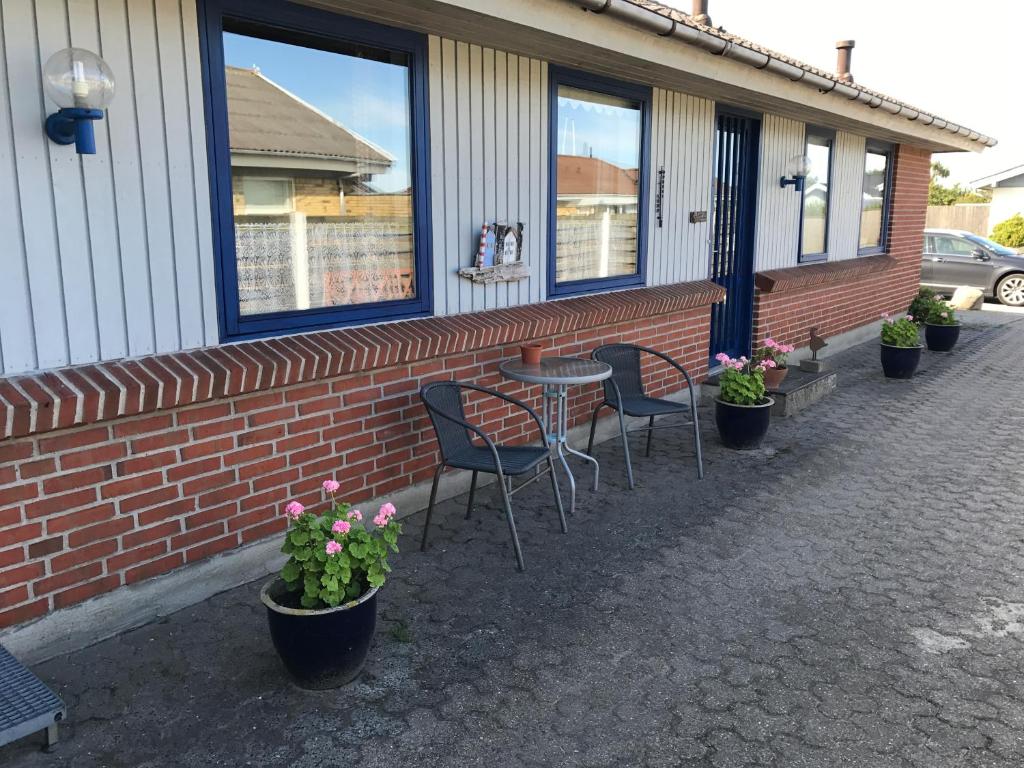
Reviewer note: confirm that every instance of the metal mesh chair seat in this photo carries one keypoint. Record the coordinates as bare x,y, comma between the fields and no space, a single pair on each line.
515,460
626,387
650,406
455,437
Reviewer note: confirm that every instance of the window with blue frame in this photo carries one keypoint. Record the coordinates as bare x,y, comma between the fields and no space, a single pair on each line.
875,198
599,139
318,137
814,211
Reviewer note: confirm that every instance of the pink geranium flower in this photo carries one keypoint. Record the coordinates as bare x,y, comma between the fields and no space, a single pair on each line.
332,547
331,485
294,510
770,343
341,526
356,515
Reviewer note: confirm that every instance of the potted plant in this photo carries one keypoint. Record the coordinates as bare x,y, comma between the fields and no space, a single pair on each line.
322,608
776,352
941,329
921,304
742,410
901,347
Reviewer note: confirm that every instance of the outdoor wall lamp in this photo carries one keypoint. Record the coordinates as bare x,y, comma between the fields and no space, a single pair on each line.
797,168
81,84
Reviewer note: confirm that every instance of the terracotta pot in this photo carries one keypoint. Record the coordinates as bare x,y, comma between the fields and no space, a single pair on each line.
773,377
531,353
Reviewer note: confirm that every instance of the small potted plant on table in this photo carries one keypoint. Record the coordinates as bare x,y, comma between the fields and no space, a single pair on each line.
776,352
742,410
322,608
901,347
941,329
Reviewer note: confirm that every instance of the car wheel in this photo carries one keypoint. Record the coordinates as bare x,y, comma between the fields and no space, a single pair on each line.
1010,290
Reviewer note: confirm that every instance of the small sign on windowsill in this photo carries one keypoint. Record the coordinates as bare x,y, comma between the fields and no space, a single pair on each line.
499,255
698,217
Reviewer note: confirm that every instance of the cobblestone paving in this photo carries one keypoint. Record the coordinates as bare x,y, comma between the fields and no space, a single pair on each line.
851,595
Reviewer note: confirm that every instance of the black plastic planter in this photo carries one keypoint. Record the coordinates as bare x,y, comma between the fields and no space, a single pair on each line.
941,338
320,648
743,427
900,362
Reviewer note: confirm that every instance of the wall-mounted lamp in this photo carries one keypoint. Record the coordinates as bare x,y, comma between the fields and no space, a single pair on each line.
81,84
797,168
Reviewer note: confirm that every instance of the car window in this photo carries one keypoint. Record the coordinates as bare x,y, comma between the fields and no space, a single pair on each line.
999,250
929,244
953,246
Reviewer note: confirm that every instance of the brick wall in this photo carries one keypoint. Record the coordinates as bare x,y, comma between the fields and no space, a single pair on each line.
111,502
840,296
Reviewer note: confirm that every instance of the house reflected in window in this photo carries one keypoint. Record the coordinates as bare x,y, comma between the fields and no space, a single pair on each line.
323,215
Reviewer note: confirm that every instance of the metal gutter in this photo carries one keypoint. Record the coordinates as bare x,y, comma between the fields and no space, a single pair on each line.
664,26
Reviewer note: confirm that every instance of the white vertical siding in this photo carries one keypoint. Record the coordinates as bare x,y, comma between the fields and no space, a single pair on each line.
778,209
110,254
845,196
489,159
682,143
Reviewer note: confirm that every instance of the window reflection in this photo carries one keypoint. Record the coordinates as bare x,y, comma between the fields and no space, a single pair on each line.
873,199
320,147
815,203
597,184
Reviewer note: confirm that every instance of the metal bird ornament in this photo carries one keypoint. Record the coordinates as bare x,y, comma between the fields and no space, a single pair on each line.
817,343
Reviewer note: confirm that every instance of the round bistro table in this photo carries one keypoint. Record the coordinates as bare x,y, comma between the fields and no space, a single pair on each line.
556,375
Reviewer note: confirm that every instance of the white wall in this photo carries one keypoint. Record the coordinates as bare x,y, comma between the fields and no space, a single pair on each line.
1006,201
845,196
111,255
107,255
489,161
778,210
682,142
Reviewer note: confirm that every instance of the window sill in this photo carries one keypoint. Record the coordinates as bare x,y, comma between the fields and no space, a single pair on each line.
87,394
823,273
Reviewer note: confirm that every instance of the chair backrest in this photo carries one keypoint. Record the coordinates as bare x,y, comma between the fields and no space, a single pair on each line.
625,362
444,398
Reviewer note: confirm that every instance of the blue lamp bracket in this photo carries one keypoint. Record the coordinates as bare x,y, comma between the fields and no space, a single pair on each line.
74,125
796,182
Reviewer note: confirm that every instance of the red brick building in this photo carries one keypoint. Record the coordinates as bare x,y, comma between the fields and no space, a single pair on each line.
173,371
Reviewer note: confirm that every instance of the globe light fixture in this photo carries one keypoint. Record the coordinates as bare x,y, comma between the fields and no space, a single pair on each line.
81,84
797,168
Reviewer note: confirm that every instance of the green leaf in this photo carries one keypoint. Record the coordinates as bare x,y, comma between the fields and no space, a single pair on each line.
291,571
298,537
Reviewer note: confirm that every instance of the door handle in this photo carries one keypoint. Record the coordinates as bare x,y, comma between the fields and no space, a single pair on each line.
936,258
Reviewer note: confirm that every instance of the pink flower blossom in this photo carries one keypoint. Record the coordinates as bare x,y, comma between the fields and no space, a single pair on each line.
332,547
355,514
341,526
722,357
387,508
294,510
769,363
785,348
910,317
331,485
380,520
944,314
771,343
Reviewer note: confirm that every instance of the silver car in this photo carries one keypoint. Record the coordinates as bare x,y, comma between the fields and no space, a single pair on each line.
953,257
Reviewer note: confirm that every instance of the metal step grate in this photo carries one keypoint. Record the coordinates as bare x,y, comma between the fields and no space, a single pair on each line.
26,704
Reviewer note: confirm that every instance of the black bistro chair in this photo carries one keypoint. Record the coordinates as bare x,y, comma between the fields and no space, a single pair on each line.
624,393
443,400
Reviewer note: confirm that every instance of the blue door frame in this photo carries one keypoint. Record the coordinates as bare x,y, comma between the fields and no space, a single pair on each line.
737,135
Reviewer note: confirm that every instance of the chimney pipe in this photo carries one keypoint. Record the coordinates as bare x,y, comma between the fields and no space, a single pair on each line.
844,50
700,12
